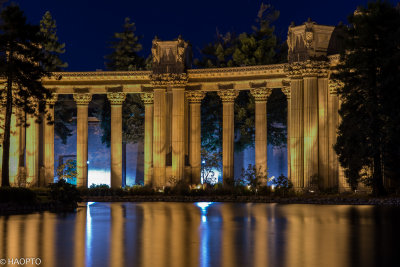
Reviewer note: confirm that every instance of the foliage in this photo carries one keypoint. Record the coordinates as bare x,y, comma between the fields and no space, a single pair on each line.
256,48
99,186
253,177
367,141
21,65
283,186
210,161
68,171
63,114
64,194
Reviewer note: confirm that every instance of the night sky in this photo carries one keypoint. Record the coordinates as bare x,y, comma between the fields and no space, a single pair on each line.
87,26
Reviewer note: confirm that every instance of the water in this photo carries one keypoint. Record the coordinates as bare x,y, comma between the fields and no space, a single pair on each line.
206,234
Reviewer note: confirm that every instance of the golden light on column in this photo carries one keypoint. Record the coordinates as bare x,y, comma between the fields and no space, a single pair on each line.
49,140
148,101
228,101
116,99
323,129
286,91
14,147
82,103
260,96
178,132
195,98
159,142
32,151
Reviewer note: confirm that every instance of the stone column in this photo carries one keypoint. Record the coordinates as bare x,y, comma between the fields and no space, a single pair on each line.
296,141
310,127
116,100
32,151
286,91
159,141
333,116
195,98
14,147
148,137
323,133
261,95
82,103
228,137
178,132
49,141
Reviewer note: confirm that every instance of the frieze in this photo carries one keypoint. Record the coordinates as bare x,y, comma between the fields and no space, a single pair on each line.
166,79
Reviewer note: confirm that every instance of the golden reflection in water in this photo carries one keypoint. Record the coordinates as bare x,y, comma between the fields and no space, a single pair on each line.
201,234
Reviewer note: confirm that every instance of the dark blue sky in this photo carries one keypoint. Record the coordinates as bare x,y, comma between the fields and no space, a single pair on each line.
87,26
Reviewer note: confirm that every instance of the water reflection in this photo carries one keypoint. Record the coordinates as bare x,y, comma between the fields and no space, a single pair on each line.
205,234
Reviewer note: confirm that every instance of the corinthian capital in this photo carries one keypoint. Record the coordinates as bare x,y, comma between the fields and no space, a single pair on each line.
148,98
82,98
52,100
116,98
195,96
228,95
334,86
261,94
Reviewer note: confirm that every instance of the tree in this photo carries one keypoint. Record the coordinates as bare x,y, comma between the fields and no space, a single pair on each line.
53,49
125,57
367,142
259,47
20,57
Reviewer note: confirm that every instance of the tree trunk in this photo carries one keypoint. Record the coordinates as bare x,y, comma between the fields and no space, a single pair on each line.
377,177
5,181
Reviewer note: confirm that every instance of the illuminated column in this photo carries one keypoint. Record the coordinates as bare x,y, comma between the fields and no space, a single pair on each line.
286,91
148,136
310,126
159,142
2,121
323,133
32,151
195,98
333,107
116,99
228,101
49,141
344,186
178,132
296,132
82,103
261,96
14,147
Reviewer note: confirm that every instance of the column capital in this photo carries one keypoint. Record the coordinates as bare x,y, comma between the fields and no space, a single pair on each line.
228,95
82,98
195,96
334,86
116,98
52,100
261,94
148,98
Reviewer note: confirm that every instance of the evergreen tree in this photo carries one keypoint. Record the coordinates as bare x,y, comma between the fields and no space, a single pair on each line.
53,49
20,57
260,47
125,57
367,144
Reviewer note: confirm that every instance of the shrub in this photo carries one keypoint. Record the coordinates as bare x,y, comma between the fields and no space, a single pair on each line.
283,186
64,194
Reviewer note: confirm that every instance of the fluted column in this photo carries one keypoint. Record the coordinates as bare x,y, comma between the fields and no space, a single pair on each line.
178,132
323,133
195,98
296,133
49,141
286,91
148,100
260,96
116,100
32,151
14,146
159,141
228,137
2,121
82,103
333,120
